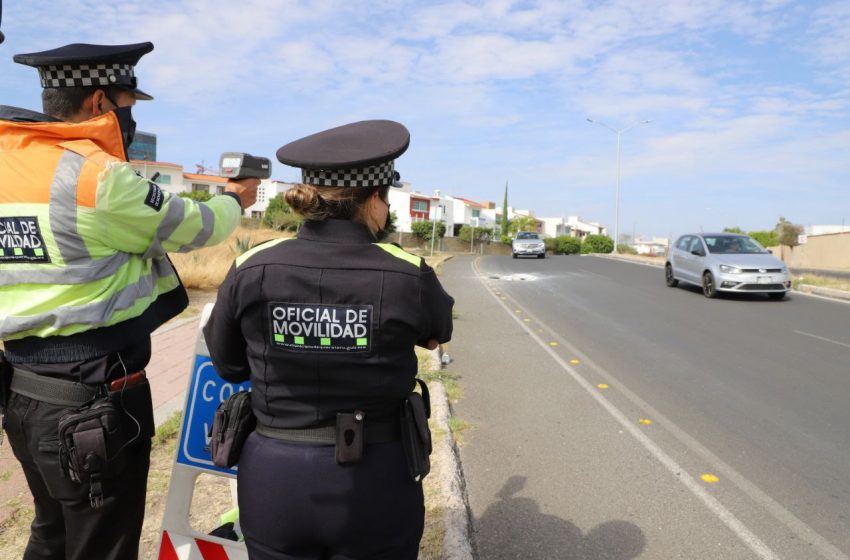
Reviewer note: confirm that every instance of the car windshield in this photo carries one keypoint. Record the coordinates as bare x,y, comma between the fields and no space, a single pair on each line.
726,244
527,235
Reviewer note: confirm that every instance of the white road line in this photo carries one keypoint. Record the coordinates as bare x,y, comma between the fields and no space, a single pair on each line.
823,338
798,527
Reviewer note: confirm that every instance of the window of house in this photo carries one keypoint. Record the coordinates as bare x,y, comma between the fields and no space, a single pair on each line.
200,187
476,213
219,189
420,205
164,180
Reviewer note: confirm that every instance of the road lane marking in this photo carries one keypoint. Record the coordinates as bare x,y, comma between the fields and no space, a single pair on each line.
710,478
792,522
645,421
823,338
575,362
603,385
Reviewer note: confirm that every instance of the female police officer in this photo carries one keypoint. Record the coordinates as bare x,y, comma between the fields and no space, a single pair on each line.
324,326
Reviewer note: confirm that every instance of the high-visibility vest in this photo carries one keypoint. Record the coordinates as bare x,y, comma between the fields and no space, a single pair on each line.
83,238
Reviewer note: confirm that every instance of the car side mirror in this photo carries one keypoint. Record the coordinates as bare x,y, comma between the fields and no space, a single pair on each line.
769,251
698,253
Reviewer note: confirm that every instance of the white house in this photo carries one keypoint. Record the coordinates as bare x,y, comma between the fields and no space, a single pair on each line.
169,176
556,227
410,206
654,247
268,189
582,228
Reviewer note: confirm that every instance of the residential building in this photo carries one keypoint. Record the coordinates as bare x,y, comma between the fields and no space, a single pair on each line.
556,227
410,206
656,246
267,190
825,230
212,184
582,228
169,176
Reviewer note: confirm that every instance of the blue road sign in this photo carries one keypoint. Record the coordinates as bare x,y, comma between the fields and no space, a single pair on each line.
206,391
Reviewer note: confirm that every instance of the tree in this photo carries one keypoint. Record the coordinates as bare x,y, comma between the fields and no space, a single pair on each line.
522,223
597,244
765,238
197,196
787,233
735,229
505,221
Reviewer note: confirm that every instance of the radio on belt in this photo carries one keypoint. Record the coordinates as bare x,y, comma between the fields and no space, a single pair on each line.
239,165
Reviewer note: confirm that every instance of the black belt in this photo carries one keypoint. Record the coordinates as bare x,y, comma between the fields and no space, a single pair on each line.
51,390
375,432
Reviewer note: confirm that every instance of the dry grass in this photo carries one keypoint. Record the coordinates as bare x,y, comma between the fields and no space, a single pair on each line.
206,268
822,281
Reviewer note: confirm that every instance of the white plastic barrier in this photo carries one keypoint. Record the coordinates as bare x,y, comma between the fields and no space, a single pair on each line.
179,541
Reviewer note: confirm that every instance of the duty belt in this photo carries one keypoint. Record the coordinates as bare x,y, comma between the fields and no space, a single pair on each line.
51,390
374,432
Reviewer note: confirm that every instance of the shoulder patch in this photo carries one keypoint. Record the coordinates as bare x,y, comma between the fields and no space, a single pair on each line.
155,197
240,260
21,240
400,253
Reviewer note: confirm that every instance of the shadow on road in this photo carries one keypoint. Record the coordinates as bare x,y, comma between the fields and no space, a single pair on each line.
514,527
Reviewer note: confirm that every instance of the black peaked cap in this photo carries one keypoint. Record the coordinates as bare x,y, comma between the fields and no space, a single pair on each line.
84,53
355,145
83,64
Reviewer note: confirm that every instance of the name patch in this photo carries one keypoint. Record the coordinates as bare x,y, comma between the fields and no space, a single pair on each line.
155,197
21,240
317,328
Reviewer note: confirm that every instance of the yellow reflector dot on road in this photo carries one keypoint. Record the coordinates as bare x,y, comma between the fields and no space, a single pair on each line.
603,385
645,421
575,362
553,344
519,310
527,320
710,478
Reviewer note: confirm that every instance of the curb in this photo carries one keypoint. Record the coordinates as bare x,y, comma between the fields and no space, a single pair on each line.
452,486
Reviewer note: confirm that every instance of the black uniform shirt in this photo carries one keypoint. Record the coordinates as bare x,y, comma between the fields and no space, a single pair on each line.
326,323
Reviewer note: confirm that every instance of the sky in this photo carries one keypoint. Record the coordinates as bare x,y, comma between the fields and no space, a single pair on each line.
749,101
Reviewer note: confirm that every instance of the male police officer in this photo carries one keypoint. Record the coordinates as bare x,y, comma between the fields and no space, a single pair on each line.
84,280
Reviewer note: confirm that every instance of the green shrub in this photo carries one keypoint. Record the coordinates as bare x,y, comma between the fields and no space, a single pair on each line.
597,244
551,245
478,232
423,229
568,245
506,239
624,249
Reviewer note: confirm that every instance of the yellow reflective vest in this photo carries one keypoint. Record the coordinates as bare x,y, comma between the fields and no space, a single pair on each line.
83,238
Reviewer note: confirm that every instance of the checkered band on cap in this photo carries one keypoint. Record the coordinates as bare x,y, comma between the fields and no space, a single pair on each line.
375,176
68,75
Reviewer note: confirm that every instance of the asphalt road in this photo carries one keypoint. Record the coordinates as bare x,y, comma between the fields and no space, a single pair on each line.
721,429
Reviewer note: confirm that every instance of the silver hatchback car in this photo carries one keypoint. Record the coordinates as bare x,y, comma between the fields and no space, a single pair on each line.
726,262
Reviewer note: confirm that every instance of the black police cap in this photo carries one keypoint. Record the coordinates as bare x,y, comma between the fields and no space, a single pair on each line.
360,154
82,64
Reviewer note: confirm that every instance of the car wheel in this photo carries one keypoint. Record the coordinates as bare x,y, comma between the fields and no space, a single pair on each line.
541,256
776,295
709,289
668,276
514,254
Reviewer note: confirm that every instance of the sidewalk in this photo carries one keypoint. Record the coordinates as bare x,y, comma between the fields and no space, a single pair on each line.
173,347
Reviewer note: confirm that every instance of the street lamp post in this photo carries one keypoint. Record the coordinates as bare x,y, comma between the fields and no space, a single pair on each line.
434,223
618,132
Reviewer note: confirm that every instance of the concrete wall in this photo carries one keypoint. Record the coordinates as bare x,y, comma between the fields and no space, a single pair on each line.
823,252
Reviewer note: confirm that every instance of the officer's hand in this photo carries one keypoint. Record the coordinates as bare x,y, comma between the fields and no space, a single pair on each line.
246,189
431,344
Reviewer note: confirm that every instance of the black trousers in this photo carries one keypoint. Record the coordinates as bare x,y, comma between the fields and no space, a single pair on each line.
66,527
296,502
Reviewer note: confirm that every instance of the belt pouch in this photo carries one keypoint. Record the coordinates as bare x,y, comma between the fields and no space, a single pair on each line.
232,424
349,437
415,433
91,441
135,401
